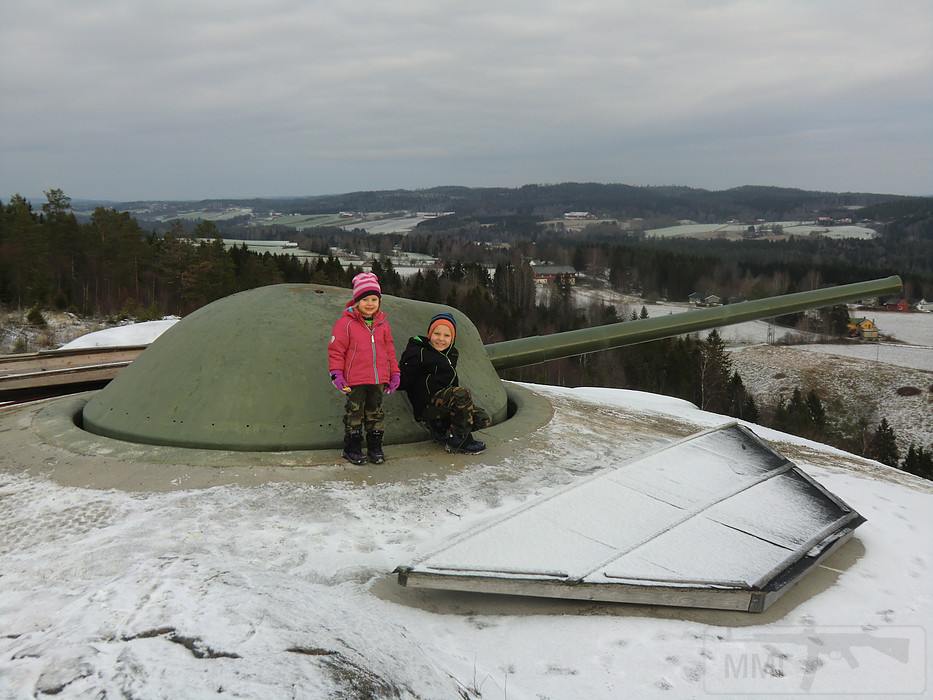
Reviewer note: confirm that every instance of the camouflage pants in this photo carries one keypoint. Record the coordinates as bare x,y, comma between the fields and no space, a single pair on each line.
454,405
364,407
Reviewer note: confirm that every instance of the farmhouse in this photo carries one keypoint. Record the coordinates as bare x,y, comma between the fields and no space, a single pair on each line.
561,274
899,305
863,328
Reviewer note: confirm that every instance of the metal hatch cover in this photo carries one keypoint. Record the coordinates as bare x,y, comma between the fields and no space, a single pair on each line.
717,520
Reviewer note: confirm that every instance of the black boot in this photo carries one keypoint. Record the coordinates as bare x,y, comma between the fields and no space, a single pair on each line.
353,447
464,444
438,429
374,447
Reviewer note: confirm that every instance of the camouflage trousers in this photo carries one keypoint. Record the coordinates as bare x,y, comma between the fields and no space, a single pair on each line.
454,405
364,408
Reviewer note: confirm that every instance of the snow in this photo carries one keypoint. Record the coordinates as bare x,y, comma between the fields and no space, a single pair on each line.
850,388
888,353
129,334
283,590
908,327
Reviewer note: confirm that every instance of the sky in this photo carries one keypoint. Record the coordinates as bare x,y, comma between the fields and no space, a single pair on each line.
187,99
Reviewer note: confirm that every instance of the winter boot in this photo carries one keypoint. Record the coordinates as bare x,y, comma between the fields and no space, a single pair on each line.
353,447
374,447
438,429
464,444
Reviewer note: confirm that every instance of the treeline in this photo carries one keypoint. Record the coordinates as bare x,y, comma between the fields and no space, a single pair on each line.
673,268
110,266
549,200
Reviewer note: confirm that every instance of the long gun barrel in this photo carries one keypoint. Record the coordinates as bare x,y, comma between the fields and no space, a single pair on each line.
535,349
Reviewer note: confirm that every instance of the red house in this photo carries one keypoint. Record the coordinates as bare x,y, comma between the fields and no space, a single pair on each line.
900,305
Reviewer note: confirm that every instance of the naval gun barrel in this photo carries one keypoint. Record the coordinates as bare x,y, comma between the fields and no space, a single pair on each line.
541,348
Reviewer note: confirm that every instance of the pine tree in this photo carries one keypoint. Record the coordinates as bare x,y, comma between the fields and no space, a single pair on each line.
644,312
919,462
714,369
816,410
924,463
910,460
883,444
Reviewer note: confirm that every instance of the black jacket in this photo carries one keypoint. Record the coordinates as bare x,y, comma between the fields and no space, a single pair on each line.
426,371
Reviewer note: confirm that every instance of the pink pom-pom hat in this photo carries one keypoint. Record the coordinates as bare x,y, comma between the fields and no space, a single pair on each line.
364,284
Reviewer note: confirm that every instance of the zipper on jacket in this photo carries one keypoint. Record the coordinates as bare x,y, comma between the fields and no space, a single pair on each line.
372,337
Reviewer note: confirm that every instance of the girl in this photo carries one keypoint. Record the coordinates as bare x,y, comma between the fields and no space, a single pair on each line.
429,374
362,364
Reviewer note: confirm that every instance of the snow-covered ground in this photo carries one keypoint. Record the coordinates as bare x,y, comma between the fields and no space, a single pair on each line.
128,334
283,591
402,224
914,328
887,353
850,388
736,231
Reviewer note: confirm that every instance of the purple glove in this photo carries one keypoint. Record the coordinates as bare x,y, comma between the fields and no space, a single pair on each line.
394,381
340,384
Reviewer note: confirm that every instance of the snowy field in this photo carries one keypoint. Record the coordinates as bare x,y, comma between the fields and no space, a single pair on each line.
913,328
397,225
834,232
849,387
888,353
284,591
736,231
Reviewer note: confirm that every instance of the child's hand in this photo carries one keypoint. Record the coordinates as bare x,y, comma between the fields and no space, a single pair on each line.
340,384
394,381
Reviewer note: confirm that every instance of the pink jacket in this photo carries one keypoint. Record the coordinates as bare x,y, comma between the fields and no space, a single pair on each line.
364,356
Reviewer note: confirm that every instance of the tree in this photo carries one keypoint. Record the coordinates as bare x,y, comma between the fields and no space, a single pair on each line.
579,259
835,320
714,367
883,444
57,204
741,403
918,462
816,410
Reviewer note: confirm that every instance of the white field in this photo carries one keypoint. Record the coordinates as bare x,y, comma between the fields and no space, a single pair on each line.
402,224
301,221
790,228
836,232
887,353
912,328
208,215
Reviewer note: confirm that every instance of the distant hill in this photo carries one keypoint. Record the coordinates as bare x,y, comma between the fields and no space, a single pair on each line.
611,200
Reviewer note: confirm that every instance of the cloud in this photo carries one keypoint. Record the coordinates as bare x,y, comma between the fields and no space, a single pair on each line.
309,94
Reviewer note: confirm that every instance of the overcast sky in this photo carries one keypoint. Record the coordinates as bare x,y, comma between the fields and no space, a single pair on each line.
185,99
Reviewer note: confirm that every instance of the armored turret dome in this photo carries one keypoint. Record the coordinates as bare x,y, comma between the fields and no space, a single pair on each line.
249,372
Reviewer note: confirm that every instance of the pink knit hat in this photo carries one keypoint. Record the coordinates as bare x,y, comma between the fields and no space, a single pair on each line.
364,284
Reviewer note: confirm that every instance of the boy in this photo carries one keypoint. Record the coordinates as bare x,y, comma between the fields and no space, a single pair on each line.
429,375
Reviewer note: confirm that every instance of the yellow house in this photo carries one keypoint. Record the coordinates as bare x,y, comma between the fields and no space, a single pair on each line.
863,328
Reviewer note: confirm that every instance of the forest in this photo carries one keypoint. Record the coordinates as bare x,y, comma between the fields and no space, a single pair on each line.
110,266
